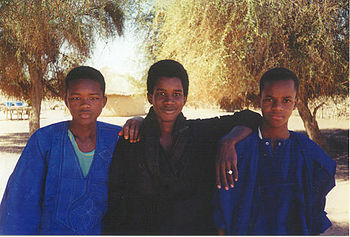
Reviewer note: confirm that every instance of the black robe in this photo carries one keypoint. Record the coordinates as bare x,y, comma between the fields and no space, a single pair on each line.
156,192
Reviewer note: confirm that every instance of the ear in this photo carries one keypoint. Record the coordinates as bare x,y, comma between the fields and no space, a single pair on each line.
104,101
296,103
66,100
185,99
259,99
150,98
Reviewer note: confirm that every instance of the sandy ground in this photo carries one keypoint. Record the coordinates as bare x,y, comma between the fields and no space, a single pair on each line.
14,135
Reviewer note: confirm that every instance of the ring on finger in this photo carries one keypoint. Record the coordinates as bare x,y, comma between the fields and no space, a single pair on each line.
229,172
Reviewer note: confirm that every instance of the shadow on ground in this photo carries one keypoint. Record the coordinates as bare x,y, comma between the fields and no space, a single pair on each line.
13,142
337,229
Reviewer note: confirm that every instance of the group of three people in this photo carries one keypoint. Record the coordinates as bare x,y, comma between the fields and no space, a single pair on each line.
79,177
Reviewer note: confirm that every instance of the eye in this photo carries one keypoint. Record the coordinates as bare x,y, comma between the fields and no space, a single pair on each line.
287,100
178,94
267,100
161,93
74,98
94,98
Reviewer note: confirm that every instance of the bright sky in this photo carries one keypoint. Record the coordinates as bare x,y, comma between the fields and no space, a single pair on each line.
121,54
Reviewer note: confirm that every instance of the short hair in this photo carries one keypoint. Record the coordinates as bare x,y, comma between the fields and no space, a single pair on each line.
166,68
85,72
278,74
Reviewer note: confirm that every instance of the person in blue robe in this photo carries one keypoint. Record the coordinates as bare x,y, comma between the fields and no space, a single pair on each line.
59,185
284,176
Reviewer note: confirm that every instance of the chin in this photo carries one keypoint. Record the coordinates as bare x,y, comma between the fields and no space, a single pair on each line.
168,118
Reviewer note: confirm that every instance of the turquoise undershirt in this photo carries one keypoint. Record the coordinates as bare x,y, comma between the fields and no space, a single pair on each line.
85,158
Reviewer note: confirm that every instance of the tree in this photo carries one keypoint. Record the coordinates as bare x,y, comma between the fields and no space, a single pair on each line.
41,39
227,46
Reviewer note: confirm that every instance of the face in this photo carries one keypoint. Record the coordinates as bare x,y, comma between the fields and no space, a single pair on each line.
167,99
278,100
85,101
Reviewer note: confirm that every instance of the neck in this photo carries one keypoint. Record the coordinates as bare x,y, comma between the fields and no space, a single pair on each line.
274,133
165,138
166,128
83,131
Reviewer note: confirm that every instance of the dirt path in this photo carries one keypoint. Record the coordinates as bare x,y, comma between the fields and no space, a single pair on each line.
14,135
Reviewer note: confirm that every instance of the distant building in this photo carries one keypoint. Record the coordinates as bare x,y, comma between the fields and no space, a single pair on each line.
123,99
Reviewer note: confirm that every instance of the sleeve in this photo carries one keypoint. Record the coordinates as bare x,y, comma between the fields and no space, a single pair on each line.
323,181
224,202
20,209
218,215
321,171
219,126
116,213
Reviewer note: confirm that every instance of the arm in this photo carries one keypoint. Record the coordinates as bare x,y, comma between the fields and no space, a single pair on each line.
323,181
132,129
243,124
227,157
112,221
20,209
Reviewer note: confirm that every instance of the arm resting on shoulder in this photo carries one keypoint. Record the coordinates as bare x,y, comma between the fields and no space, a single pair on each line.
246,121
226,159
132,129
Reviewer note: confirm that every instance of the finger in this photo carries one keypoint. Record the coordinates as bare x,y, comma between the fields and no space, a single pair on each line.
136,131
131,132
126,131
234,164
235,172
218,174
139,132
230,176
121,133
223,175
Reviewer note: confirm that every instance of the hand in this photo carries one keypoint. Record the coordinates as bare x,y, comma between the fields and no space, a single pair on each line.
226,160
131,129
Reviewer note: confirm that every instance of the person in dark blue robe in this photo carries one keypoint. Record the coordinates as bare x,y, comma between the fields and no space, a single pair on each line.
59,185
284,176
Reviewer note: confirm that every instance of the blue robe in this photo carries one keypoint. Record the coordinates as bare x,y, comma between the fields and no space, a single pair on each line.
47,192
280,192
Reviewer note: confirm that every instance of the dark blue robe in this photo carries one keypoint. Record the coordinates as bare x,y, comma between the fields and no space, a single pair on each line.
47,192
280,192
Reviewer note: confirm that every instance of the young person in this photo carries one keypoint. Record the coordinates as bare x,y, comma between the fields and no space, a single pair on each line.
284,176
59,185
164,183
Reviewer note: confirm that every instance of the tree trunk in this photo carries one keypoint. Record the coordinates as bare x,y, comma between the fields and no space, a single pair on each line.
311,125
36,96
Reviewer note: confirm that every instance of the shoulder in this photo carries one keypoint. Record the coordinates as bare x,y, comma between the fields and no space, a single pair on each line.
107,127
248,142
47,132
305,143
53,127
108,133
313,152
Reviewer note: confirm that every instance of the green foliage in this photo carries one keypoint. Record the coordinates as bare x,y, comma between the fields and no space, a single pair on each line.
227,45
41,39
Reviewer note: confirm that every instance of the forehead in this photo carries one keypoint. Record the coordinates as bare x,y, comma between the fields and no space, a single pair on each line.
84,84
280,87
168,83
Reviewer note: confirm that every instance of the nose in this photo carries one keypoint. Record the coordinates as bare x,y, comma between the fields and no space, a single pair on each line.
277,105
170,99
85,102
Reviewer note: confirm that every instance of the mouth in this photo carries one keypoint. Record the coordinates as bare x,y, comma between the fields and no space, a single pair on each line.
169,110
85,114
276,117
